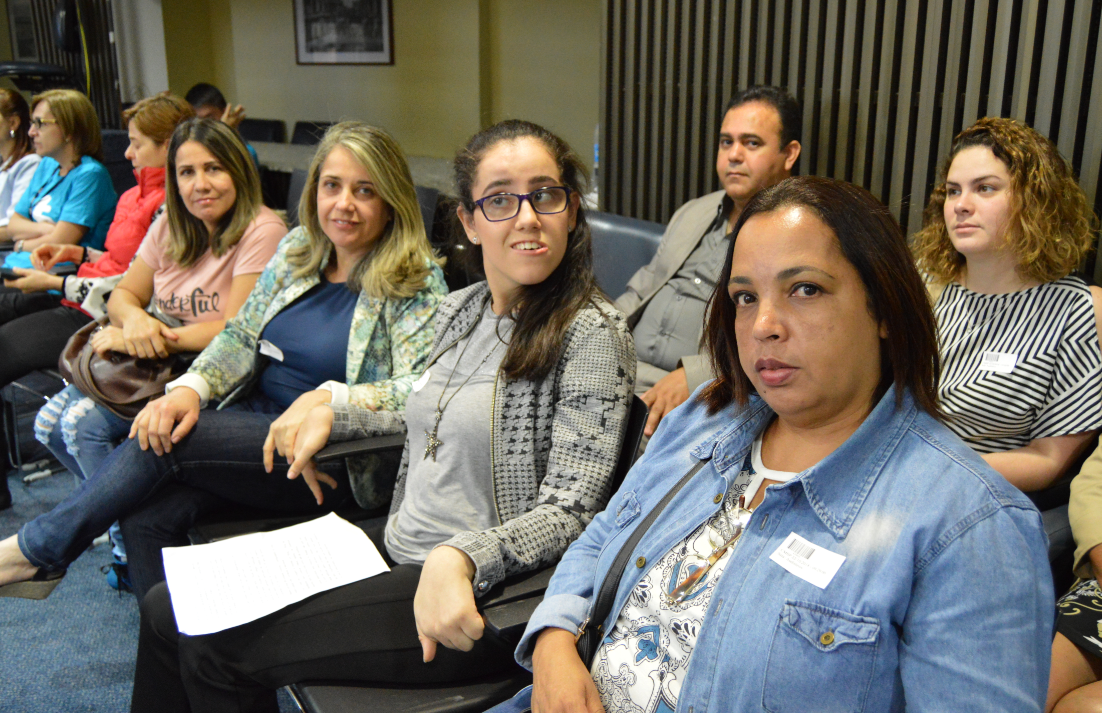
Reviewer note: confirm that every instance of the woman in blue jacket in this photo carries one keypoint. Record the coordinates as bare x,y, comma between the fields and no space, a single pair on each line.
833,547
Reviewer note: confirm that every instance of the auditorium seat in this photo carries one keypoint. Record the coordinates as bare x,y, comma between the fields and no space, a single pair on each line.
269,130
620,247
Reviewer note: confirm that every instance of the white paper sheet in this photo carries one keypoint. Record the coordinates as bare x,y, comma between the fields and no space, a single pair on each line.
235,581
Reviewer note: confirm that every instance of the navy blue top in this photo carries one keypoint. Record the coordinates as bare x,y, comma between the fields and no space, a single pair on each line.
312,335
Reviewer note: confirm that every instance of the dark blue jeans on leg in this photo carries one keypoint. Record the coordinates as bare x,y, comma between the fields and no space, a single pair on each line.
221,456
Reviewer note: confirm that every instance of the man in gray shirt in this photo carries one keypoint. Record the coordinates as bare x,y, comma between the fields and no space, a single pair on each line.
665,301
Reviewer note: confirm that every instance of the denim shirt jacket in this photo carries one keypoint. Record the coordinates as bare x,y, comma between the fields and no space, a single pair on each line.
388,346
944,601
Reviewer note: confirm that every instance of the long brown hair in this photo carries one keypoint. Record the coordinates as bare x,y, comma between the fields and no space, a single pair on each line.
188,236
12,104
872,241
542,312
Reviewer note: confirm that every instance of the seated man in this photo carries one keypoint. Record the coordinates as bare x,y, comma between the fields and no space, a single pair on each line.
209,103
665,301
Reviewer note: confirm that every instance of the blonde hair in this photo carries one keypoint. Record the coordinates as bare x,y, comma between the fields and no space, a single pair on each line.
76,117
158,116
1050,226
398,263
188,238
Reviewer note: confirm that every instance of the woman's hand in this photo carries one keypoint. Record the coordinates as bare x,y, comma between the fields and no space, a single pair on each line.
108,339
560,681
312,436
145,336
46,256
34,281
444,603
284,430
153,426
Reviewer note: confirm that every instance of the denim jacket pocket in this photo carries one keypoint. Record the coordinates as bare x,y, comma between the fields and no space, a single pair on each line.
628,509
820,659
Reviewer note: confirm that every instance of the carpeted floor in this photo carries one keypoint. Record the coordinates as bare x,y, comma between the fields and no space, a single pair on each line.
73,652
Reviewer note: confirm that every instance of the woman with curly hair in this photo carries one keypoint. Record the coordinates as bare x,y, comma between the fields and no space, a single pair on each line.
1021,365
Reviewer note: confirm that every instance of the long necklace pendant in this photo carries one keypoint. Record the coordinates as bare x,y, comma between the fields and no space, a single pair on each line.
431,441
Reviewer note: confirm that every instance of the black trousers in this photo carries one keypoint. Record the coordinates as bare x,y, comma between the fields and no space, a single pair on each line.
363,632
34,329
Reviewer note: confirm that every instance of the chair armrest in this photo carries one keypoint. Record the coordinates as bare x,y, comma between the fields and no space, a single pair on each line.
360,447
509,606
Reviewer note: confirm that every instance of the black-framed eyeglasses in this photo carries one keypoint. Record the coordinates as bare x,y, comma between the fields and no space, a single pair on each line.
39,123
545,201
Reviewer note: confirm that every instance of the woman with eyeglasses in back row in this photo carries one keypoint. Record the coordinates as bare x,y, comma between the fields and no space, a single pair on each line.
70,199
514,429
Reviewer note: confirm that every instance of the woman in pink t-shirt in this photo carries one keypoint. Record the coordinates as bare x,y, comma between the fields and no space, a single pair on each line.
193,271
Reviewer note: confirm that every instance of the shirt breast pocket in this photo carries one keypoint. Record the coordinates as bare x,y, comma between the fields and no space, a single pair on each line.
628,509
821,659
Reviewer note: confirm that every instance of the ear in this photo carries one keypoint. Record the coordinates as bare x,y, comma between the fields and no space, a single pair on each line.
16,123
575,201
791,153
883,330
468,222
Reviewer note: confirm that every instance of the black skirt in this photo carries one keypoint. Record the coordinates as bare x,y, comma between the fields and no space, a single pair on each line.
1079,616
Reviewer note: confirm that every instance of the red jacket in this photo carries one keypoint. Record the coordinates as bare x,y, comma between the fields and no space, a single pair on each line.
133,215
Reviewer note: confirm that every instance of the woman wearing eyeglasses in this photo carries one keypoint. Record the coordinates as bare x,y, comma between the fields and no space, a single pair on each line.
832,546
70,200
514,430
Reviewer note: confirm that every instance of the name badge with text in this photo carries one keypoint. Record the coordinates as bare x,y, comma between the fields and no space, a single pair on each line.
808,561
998,361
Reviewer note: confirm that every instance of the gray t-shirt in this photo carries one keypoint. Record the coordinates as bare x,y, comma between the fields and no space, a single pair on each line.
453,493
673,321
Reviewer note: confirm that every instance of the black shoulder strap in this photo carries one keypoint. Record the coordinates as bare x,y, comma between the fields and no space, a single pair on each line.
593,631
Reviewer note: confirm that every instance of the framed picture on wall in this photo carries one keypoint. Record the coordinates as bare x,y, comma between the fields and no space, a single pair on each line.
344,32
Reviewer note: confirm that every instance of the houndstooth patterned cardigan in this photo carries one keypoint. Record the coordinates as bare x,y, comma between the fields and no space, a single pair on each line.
554,442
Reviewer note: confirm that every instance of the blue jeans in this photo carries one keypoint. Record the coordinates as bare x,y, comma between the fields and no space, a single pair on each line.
82,434
221,457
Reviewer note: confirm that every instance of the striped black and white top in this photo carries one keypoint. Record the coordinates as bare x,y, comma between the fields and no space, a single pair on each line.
1019,366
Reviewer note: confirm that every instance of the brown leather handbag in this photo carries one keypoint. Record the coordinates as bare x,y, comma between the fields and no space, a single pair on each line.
119,382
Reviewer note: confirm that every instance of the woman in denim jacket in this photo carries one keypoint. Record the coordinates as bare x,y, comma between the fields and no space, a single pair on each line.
342,314
836,547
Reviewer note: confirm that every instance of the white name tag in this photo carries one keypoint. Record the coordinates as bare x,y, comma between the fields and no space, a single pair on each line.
998,361
420,383
807,560
270,350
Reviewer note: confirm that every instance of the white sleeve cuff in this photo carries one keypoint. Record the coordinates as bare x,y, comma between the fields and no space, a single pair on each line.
340,392
195,382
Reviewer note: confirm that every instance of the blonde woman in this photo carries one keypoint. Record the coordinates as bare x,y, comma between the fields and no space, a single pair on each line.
70,199
342,314
1021,367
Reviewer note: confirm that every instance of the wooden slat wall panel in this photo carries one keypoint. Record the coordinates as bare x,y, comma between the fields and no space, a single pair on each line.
884,85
